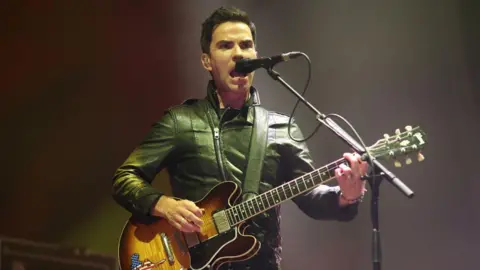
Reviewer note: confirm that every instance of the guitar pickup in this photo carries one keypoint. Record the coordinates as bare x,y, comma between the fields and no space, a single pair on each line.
221,221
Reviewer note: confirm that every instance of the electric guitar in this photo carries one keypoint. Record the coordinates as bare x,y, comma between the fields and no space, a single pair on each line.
155,244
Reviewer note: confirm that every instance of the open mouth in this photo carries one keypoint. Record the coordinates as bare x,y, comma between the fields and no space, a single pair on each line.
235,74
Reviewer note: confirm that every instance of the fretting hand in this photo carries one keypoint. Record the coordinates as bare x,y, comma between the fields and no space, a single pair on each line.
352,187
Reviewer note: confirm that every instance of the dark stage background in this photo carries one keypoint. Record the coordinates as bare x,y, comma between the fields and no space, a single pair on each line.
82,81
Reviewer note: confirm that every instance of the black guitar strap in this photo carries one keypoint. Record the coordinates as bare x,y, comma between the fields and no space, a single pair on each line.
258,143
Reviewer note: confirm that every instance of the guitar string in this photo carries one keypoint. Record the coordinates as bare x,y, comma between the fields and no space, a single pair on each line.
270,196
210,222
287,187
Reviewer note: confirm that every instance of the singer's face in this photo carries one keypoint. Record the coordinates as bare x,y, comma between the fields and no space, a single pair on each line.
231,41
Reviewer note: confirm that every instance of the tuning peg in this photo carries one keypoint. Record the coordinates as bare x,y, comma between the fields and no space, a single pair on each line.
420,157
397,131
397,164
386,136
408,161
408,128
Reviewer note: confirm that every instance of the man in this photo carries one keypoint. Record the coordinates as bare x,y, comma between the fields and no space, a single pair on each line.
204,142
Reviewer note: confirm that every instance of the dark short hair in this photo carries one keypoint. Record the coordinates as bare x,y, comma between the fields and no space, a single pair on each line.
219,16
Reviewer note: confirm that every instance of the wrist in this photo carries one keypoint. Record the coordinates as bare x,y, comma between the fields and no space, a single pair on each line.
160,206
344,200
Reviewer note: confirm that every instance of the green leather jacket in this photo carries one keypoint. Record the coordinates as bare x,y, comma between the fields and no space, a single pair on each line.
200,151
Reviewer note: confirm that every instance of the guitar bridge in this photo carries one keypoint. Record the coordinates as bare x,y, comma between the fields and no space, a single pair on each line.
221,221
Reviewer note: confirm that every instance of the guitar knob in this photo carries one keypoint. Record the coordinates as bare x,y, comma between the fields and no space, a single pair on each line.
386,136
397,164
420,157
397,131
408,128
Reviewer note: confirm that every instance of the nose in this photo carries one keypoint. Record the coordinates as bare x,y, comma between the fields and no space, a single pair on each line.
237,53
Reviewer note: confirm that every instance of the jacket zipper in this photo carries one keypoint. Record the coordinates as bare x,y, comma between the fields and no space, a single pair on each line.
216,136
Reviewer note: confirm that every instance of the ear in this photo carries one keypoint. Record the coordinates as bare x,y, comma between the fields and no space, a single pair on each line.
205,58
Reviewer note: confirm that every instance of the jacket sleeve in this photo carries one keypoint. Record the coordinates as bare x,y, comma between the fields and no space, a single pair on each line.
132,180
321,202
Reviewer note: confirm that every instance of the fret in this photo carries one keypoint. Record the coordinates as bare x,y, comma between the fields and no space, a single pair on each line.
308,181
243,210
302,186
324,175
265,200
252,208
326,171
293,187
270,198
313,178
235,214
239,212
256,207
331,171
319,177
260,205
288,191
296,183
247,209
281,193
276,196
229,216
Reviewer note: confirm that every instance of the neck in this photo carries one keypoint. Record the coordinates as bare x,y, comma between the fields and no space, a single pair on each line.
232,100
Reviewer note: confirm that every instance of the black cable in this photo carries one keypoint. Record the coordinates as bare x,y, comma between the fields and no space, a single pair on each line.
298,101
370,161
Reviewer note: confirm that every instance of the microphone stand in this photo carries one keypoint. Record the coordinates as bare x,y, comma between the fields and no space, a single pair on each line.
379,172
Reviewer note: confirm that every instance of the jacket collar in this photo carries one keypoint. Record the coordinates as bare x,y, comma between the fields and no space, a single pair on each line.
253,100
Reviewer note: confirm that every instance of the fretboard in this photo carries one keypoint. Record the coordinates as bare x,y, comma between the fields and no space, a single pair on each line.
260,203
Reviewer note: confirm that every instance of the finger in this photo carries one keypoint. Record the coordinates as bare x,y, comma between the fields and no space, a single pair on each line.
175,224
363,168
191,227
345,169
193,208
185,225
189,216
350,157
338,172
341,176
363,165
186,222
356,162
358,166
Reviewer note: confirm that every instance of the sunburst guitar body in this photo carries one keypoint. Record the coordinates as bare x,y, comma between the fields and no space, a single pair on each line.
156,244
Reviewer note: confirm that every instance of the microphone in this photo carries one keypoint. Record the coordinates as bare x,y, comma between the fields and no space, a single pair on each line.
248,65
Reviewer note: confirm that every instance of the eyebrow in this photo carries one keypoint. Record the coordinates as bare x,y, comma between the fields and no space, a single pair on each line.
248,41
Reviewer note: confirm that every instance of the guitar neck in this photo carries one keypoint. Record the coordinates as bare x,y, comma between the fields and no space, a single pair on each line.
289,190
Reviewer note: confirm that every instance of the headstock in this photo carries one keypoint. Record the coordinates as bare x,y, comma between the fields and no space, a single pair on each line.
402,144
